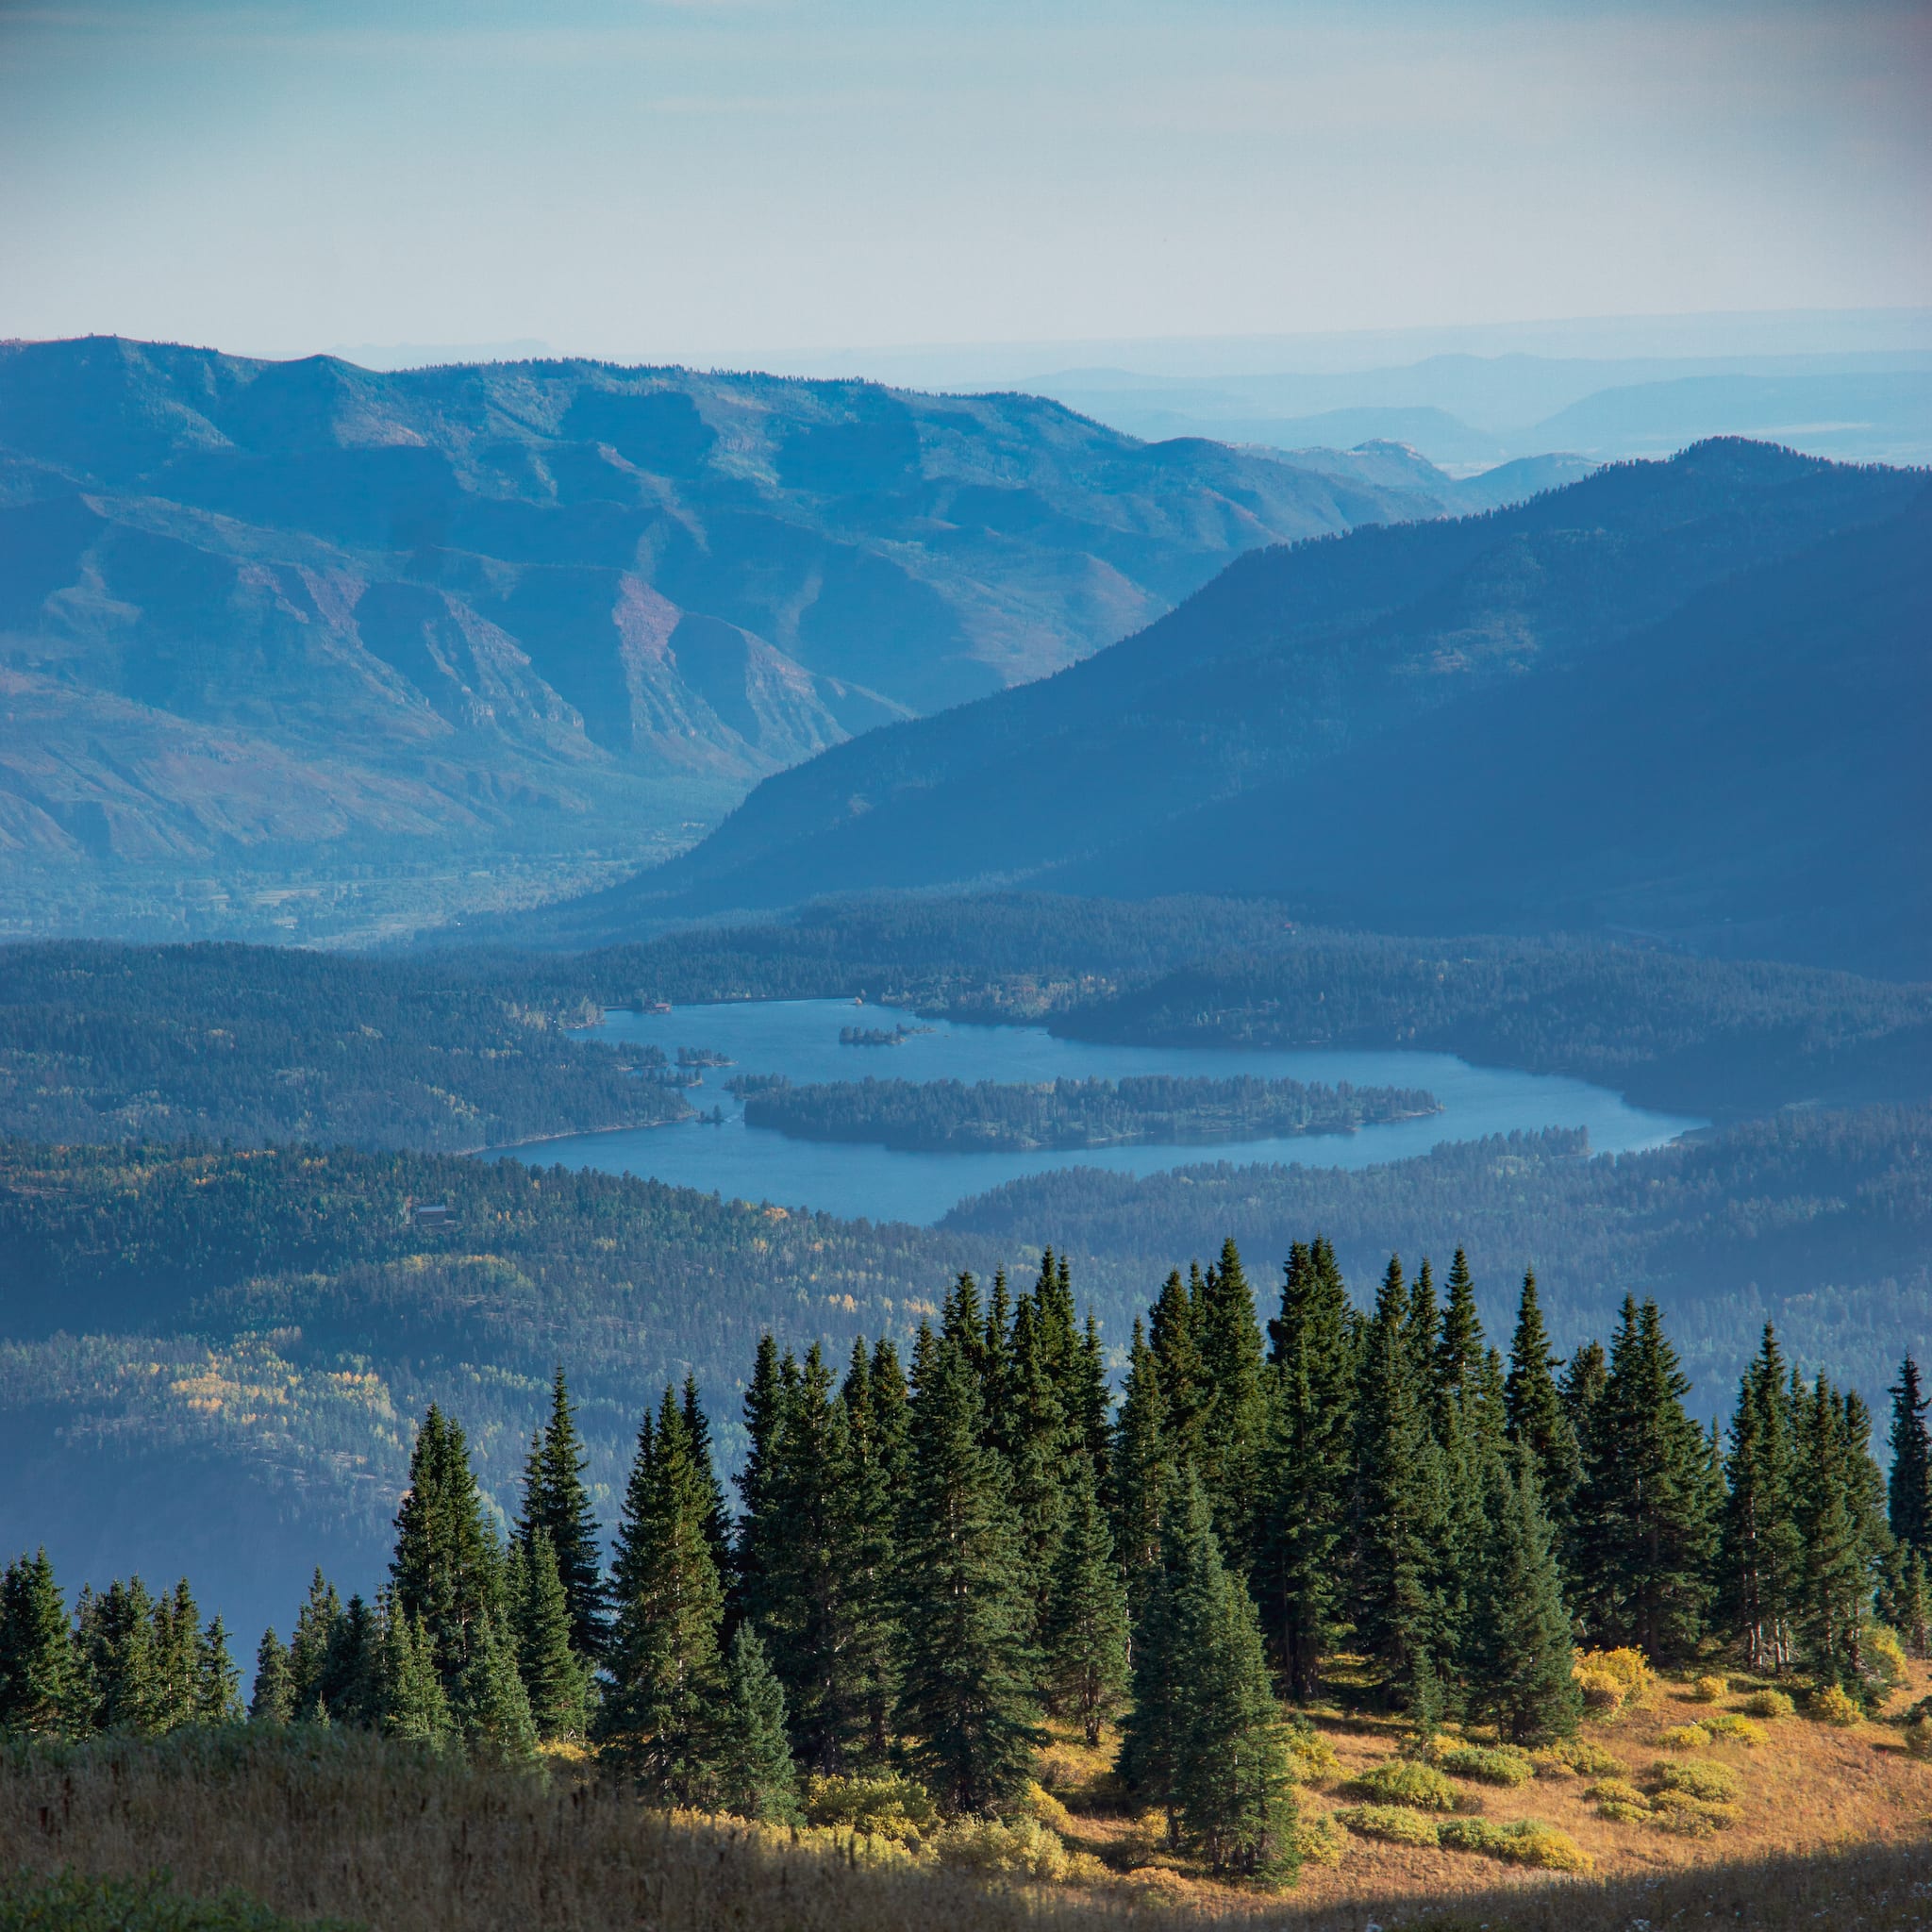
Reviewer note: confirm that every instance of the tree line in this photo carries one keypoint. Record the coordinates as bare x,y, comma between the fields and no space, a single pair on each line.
927,1559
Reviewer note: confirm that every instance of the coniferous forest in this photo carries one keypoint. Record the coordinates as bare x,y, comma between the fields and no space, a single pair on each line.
928,1559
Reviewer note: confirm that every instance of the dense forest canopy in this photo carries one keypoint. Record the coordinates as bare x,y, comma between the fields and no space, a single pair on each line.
950,1115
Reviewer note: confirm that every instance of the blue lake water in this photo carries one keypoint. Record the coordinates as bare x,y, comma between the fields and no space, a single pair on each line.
800,1038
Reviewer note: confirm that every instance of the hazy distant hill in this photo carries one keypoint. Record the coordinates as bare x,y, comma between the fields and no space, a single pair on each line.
1673,696
290,619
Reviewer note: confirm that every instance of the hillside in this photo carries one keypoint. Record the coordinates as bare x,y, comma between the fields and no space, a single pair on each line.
298,647
1741,615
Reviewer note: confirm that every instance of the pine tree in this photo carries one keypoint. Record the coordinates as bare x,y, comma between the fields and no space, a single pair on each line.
540,1626
1535,1413
1172,1334
273,1698
1519,1657
557,1502
492,1710
1232,1433
1835,1587
765,1402
1142,1472
755,1776
309,1649
1648,1504
1760,1557
1233,1794
175,1648
1909,1492
1084,1629
657,1716
872,1430
717,1514
347,1691
217,1681
447,1567
408,1703
1309,1467
1402,1515
1036,1441
1151,1730
965,1699
35,1649
114,1642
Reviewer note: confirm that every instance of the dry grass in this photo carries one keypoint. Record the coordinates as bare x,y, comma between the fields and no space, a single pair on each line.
1833,1827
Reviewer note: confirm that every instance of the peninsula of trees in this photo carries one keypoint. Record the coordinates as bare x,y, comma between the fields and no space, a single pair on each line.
948,1116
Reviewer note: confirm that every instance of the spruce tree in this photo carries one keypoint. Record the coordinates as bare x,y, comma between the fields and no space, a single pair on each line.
718,1513
1233,1793
557,1502
1519,1656
1036,1439
755,1776
872,1430
114,1640
492,1712
1084,1630
1760,1557
1309,1469
1142,1472
35,1649
217,1680
765,1402
1173,1325
316,1623
447,1567
1400,1506
965,1700
408,1703
1908,1490
1648,1508
1231,1436
1835,1585
657,1716
1535,1413
348,1680
1151,1730
272,1701
540,1623
175,1649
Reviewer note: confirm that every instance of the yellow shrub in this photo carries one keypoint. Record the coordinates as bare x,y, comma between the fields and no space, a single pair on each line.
1578,1755
1831,1706
1612,1680
1739,1730
1393,1825
1684,1738
1715,1783
891,1808
1489,1764
1319,1838
1617,1812
1405,1781
1616,1791
1025,1848
1885,1656
1678,1811
1918,1736
1042,1806
1522,1843
1710,1690
1312,1757
1767,1704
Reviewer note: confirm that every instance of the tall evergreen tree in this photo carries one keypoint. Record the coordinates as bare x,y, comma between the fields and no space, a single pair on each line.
34,1649
718,1513
1036,1441
541,1631
658,1715
1535,1411
217,1679
1141,1471
1401,1514
965,1692
115,1639
1172,1334
492,1710
1649,1501
1761,1559
272,1701
1835,1591
873,1434
755,1776
409,1701
1519,1656
316,1623
1231,1436
1151,1730
1908,1490
765,1402
447,1567
557,1502
1309,1468
1084,1630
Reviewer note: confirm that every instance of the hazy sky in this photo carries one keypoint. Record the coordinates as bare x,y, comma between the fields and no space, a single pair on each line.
648,180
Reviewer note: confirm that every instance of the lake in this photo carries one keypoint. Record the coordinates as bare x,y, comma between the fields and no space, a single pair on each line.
800,1040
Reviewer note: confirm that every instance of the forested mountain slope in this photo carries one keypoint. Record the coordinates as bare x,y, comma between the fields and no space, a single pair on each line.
276,614
1367,666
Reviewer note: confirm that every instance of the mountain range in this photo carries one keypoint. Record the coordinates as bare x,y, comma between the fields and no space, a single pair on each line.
1684,698
272,634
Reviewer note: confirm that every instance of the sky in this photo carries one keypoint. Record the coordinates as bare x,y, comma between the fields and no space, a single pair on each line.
725,180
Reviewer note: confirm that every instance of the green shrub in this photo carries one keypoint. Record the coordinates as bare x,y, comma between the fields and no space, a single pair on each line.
1578,1755
1678,1811
1684,1738
1767,1704
1616,1791
1524,1841
1394,1824
1710,1690
1407,1781
70,1902
1319,1838
1739,1730
1313,1756
1918,1737
893,1808
1832,1706
1500,1764
1715,1783
1619,1812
